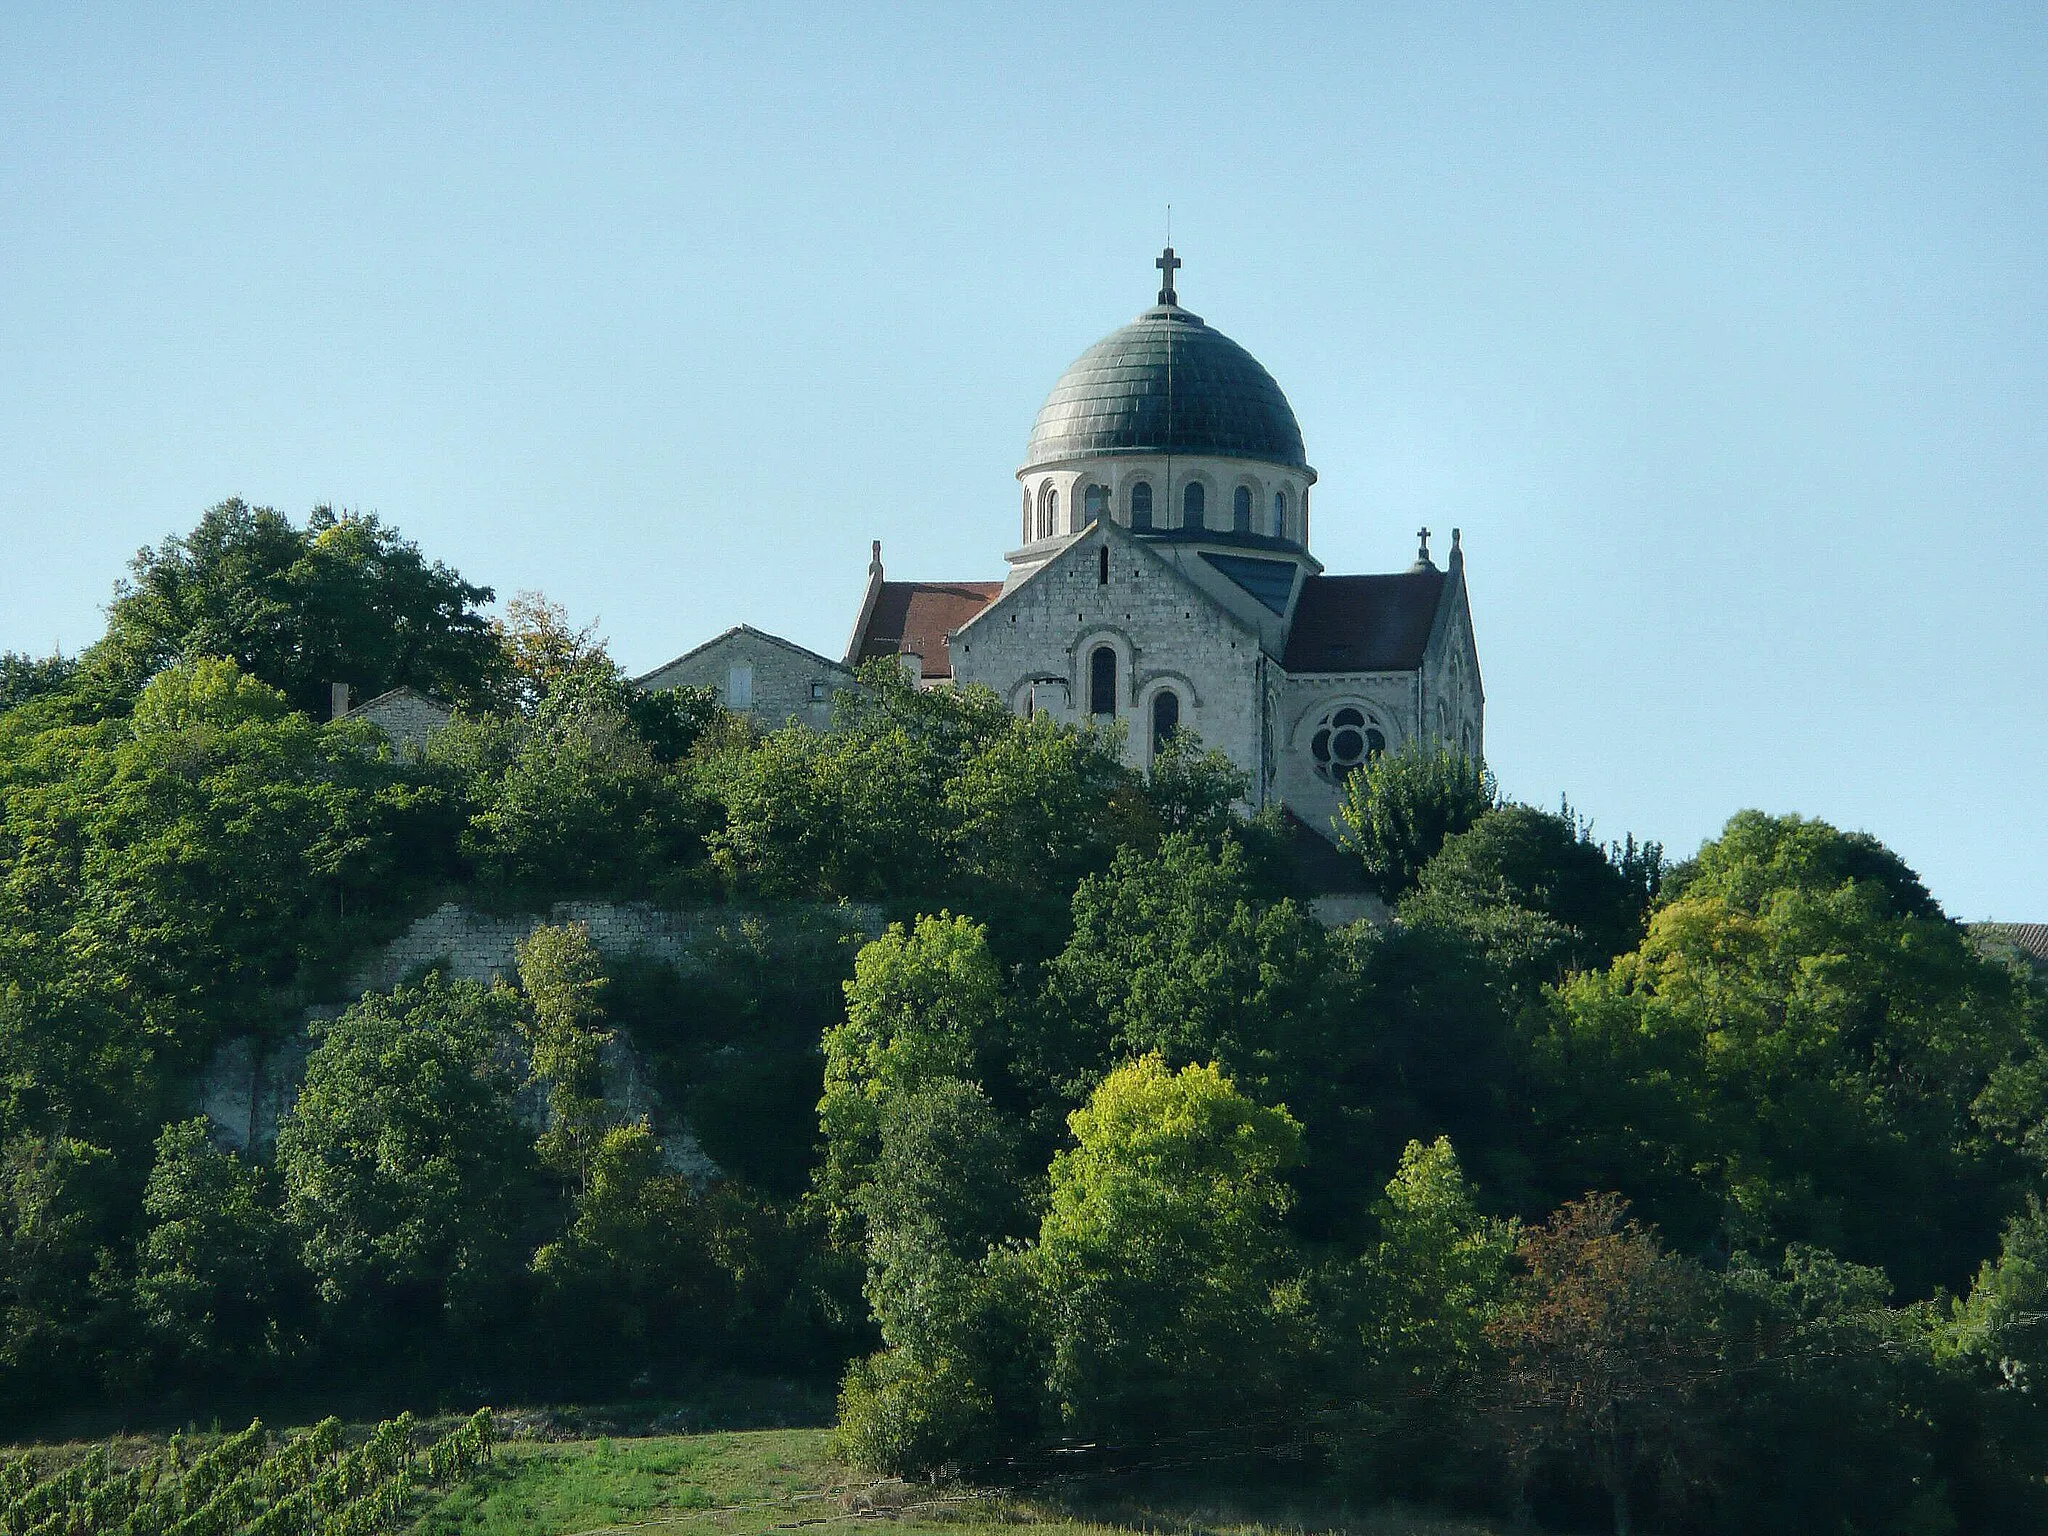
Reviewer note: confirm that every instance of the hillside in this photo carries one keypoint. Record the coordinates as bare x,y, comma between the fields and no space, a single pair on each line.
1007,1094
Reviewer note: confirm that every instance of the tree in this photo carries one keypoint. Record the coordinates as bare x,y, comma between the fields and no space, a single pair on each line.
1168,1287
631,1280
1177,952
343,600
214,1273
1423,1294
1437,1274
1605,1350
1031,813
1534,889
585,805
958,1378
404,1169
58,1228
924,1004
562,975
24,677
1798,1049
1398,809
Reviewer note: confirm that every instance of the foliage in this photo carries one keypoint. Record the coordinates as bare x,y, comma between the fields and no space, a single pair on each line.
1534,890
24,677
562,975
1399,807
586,802
342,600
305,1484
1798,1047
1169,1291
57,1230
1606,1349
403,1166
924,1004
213,1273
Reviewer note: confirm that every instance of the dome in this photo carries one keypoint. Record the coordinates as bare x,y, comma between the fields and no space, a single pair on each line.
1114,398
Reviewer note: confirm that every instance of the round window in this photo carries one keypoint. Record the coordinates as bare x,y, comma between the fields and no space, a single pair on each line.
1344,738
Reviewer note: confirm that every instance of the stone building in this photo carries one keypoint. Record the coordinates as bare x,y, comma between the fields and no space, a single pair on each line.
1162,580
406,716
759,674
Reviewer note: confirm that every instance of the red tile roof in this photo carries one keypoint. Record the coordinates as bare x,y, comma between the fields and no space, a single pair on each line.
1363,623
916,616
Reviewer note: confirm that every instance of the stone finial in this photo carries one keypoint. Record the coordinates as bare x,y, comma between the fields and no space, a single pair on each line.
875,561
1422,550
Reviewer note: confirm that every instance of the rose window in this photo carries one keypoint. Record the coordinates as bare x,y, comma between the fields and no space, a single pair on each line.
1344,738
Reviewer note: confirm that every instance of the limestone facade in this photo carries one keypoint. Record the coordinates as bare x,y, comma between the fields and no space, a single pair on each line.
760,675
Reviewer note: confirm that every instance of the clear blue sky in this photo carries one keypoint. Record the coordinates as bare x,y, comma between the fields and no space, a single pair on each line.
1721,331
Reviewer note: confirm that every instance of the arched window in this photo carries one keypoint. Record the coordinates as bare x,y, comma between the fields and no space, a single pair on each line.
1279,514
1241,510
1141,504
1344,738
1102,681
1193,505
1165,718
1049,519
1095,504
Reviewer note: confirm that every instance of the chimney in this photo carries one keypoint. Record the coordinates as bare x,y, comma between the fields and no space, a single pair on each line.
337,700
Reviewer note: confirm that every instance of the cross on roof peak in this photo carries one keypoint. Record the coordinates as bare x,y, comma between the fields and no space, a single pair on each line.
1168,264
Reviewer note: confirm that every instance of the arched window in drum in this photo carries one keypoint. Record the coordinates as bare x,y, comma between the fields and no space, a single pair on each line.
1279,514
1193,505
1141,504
1095,504
1241,510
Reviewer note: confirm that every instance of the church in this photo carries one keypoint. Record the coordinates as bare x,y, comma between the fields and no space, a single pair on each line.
1162,580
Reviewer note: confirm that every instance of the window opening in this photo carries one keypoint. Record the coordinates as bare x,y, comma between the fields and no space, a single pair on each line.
1279,514
739,685
1141,504
1345,739
1095,506
1192,505
1241,510
1165,719
1102,681
1102,566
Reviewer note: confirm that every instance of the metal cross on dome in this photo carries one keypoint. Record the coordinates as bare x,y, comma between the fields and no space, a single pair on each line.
1167,264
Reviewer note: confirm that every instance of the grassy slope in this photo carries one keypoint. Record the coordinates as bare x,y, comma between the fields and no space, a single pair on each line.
751,1482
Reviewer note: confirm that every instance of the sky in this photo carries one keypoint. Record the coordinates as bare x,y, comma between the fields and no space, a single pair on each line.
1720,330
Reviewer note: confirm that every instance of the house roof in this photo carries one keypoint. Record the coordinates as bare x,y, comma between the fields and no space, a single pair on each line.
916,616
2030,939
1363,623
395,695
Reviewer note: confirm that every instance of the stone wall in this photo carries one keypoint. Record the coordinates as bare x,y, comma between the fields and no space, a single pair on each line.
251,1083
480,946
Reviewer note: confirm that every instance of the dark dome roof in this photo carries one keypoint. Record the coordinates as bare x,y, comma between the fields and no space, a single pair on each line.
1113,399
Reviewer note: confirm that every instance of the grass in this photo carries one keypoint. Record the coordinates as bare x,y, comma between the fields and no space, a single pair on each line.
749,1483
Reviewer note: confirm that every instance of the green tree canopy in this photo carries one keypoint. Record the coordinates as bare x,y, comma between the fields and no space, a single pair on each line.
1800,1047
343,600
1166,1275
1398,809
403,1165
